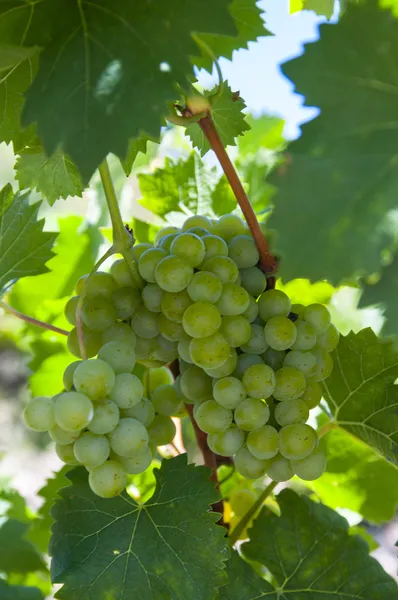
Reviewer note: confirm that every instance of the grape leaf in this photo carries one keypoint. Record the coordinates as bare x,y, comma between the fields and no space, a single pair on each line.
361,393
223,200
302,291
136,145
244,583
167,547
357,478
47,379
12,504
340,180
385,293
24,246
265,132
310,553
17,554
228,117
320,7
19,592
54,177
144,232
11,56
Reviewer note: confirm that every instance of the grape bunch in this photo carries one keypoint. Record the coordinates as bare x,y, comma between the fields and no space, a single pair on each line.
250,362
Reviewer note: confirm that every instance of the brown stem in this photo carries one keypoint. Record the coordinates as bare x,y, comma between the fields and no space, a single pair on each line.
267,263
31,320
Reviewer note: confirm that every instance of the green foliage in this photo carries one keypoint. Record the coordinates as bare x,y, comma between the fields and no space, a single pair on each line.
385,292
243,582
320,7
265,132
112,551
17,554
19,592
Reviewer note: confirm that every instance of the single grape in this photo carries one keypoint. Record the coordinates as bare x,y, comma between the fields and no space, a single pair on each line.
195,384
107,480
311,467
144,348
169,230
73,411
106,417
119,356
223,267
259,381
204,287
121,273
198,221
127,391
62,437
68,375
306,337
273,303
152,296
312,394
201,319
245,361
251,414
297,309
263,443
130,436
226,368
290,384
144,323
174,305
155,378
66,454
138,463
91,450
214,246
166,351
229,392
98,313
173,274
324,364
297,441
213,418
209,352
170,329
236,330
248,465
126,301
226,443
92,342
303,360
39,414
95,378
162,430
166,401
189,247
234,299
256,344
251,312
280,333
279,469
289,412
242,249
144,412
183,349
148,262
274,358
242,500
70,310
329,339
120,332
253,280
97,284
318,316
229,226
139,249
166,241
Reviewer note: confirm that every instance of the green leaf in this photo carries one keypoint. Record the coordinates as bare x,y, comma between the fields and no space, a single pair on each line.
19,592
302,291
135,146
12,504
385,294
228,117
17,554
265,132
340,179
11,56
361,393
310,553
244,583
168,547
223,200
54,177
47,379
363,533
24,246
144,232
320,7
357,478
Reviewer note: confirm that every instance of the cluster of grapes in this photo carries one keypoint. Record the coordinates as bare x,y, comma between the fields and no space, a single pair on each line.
249,361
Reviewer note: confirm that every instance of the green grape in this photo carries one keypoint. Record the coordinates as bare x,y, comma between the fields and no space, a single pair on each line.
130,436
256,344
73,411
197,221
311,467
127,391
229,226
173,274
280,333
318,316
245,361
209,352
70,310
39,414
229,392
170,329
242,249
107,480
62,437
152,296
91,450
120,332
95,378
297,441
273,303
166,351
144,348
195,384
303,360
274,358
251,312
166,401
312,394
68,375
121,273
259,381
324,365
236,330
166,241
199,231
223,267
279,469
289,412
214,246
98,313
306,337
120,357
189,247
92,342
97,284
169,230
144,412
213,418
162,430
241,501
174,304
297,309
234,300
226,443
106,417
201,319
290,384
204,287
251,414
126,301
157,377
329,339
139,249
138,463
145,323
148,262
226,368
263,442
183,349
253,280
66,454
248,465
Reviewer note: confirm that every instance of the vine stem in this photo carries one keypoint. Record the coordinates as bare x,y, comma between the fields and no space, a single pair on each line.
9,309
247,517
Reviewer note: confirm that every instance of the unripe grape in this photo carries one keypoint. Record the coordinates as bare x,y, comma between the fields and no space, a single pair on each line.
152,296
162,430
107,480
245,361
174,305
148,262
318,316
236,330
173,274
280,333
138,463
297,309
279,469
204,287
226,443
119,332
248,465
223,267
195,384
197,221
273,303
166,401
226,368
189,247
98,313
251,312
263,443
291,411
156,377
256,344
120,271
139,249
242,249
253,280
306,337
303,360
289,385
68,375
297,441
274,358
162,233
144,412
312,394
311,467
73,411
234,300
228,226
251,414
97,284
214,246
62,437
65,452
213,418
324,364
129,437
70,310
329,339
170,329
183,349
95,378
126,301
144,323
166,241
91,450
209,352
119,356
39,414
259,381
106,417
127,390
201,319
92,342
229,392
